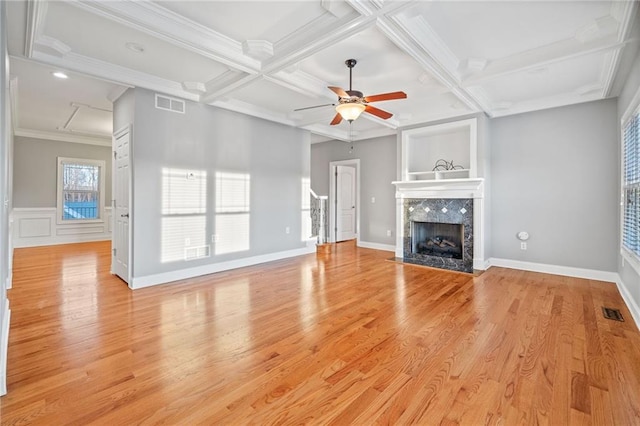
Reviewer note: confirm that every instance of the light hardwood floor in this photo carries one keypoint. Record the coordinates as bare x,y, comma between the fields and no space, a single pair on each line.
339,338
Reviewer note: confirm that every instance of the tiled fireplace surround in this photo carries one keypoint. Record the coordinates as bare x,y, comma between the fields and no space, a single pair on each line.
459,201
440,210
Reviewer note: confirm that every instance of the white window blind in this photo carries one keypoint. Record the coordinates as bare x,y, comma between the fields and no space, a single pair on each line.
631,184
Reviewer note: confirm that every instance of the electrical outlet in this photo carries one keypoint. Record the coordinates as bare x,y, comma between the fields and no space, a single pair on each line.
214,238
523,246
373,200
388,232
287,230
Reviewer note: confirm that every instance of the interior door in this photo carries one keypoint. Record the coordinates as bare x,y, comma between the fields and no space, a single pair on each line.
345,203
121,184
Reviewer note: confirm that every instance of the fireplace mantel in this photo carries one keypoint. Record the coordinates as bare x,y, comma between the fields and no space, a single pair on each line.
440,188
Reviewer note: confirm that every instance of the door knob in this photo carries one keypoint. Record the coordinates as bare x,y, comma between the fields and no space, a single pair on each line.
124,215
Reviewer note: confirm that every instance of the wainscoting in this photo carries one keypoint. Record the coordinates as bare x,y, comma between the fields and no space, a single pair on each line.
38,227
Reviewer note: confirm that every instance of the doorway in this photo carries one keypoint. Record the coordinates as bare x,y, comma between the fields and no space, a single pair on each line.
344,200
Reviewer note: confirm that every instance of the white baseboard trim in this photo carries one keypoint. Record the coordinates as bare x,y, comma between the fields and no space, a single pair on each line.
377,246
54,241
182,274
4,347
631,304
590,274
481,264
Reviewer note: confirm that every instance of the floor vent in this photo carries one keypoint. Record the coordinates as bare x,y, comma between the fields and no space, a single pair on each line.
612,314
170,104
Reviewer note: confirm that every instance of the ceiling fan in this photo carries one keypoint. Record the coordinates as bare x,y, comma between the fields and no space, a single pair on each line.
351,103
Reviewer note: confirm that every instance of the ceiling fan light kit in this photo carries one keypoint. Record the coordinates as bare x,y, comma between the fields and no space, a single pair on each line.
350,111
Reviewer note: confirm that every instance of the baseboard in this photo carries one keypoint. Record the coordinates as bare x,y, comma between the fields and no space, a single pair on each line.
377,246
54,241
628,299
182,274
4,346
481,264
590,274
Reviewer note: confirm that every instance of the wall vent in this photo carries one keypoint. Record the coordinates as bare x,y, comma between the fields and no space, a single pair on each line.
170,104
193,253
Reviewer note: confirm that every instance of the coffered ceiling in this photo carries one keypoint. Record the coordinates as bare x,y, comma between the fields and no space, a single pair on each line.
269,58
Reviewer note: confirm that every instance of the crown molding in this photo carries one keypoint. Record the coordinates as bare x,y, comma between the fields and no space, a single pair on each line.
252,110
624,12
405,42
36,13
56,45
422,34
164,24
328,132
62,137
313,38
219,88
541,57
115,94
546,103
303,83
115,73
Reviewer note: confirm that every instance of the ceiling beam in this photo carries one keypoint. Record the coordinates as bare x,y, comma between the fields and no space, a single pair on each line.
36,14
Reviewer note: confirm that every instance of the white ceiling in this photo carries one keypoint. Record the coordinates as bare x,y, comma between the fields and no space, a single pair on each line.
268,58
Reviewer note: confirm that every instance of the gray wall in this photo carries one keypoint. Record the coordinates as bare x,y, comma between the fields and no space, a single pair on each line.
377,171
628,274
35,170
554,175
214,140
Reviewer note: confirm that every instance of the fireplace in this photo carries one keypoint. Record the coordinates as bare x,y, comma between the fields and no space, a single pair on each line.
438,232
437,239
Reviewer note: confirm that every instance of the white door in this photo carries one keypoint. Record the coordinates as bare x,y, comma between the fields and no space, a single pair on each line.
121,183
345,203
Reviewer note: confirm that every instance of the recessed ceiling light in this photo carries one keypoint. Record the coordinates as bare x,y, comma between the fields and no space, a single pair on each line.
135,47
60,74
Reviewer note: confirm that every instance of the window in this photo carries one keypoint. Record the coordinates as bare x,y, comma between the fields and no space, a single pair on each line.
631,184
80,190
233,202
184,215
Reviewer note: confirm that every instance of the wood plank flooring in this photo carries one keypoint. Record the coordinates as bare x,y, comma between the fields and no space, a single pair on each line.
339,338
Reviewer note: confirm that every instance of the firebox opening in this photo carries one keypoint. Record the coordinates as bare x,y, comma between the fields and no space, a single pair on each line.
437,239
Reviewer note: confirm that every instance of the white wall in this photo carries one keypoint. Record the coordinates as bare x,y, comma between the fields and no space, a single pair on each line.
6,142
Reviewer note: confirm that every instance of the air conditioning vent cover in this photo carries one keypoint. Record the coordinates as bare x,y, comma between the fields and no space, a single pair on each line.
170,104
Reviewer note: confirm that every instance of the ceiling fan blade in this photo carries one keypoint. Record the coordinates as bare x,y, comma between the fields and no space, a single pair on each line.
315,106
386,97
378,112
339,91
336,120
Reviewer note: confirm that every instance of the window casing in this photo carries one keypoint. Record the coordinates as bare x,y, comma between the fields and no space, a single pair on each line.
80,190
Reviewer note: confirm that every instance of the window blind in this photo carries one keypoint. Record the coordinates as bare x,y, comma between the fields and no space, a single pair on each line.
631,185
